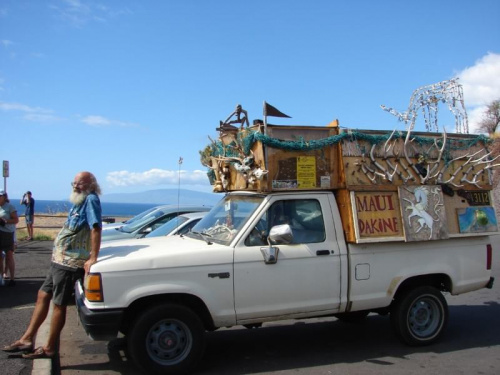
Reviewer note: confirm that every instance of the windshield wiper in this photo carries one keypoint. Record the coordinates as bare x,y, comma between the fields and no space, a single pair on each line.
204,236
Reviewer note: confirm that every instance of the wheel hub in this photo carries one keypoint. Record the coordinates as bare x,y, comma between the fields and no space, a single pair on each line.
169,342
424,318
422,314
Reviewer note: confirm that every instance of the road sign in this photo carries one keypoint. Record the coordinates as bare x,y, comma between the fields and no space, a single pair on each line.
6,168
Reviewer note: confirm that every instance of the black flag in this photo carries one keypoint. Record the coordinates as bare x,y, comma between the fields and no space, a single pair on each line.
269,110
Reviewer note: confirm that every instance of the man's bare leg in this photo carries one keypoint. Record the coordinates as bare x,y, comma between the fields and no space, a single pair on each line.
56,326
41,310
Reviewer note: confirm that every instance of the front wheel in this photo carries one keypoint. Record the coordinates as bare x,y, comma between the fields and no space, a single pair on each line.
419,316
166,339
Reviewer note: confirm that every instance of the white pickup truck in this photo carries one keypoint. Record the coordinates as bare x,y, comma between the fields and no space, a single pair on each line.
265,257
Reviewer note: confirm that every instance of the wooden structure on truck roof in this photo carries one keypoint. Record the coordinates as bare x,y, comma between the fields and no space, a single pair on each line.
390,186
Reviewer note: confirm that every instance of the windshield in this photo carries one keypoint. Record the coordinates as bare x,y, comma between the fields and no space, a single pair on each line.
139,216
226,219
148,218
168,227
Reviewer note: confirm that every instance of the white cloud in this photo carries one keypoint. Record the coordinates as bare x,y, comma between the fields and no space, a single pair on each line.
96,121
42,117
100,121
156,177
6,43
38,114
78,14
481,85
475,115
4,106
34,114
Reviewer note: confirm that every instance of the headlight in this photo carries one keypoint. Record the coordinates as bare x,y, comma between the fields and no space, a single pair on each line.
93,287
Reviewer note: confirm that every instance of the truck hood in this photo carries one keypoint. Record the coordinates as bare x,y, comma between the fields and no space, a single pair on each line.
159,252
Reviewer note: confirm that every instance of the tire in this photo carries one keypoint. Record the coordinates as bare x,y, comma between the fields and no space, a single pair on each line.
352,317
419,316
166,339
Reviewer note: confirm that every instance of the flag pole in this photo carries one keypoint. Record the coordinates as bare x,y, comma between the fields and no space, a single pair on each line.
265,117
264,151
179,184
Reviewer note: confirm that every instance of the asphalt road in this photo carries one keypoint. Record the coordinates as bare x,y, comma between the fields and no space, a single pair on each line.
471,344
17,303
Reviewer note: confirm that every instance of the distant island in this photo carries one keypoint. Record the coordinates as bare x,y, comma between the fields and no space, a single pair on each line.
164,196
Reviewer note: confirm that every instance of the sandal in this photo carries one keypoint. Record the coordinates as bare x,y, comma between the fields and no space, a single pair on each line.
39,353
17,347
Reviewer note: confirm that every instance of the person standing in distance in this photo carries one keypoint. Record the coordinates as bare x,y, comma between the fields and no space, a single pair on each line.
76,248
8,221
29,214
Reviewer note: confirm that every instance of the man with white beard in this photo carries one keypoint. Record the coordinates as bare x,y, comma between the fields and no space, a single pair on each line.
75,250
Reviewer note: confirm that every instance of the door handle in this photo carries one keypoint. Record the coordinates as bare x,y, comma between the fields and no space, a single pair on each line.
221,275
323,252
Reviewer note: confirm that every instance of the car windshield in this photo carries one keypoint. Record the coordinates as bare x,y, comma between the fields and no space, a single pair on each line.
139,216
226,219
153,215
168,227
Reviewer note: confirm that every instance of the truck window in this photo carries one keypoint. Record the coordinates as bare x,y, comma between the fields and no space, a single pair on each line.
303,215
227,218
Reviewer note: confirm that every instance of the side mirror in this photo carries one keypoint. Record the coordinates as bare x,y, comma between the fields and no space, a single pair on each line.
270,254
279,234
144,233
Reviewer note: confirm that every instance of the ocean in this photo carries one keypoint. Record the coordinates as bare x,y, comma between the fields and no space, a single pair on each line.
108,209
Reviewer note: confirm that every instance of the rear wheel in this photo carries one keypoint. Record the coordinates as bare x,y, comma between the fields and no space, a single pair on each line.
419,316
166,339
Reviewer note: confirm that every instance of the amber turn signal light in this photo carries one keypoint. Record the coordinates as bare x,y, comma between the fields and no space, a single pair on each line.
93,287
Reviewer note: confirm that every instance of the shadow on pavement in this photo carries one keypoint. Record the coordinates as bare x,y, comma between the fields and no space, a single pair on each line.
303,344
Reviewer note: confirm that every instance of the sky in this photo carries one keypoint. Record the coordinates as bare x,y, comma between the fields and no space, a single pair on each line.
126,88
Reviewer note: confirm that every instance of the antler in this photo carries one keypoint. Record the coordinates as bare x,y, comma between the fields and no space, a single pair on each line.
410,163
394,168
367,170
475,163
431,173
480,160
387,175
450,180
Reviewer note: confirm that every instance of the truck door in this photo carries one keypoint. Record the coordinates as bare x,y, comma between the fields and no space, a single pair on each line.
306,276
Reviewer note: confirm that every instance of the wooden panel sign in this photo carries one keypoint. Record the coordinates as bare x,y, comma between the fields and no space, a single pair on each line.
294,170
423,213
293,162
377,216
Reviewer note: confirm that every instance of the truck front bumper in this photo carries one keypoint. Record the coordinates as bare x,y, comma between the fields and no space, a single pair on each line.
100,325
